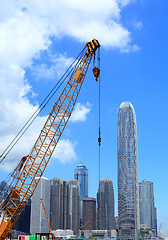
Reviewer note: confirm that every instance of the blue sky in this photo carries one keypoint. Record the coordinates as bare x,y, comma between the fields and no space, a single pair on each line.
39,41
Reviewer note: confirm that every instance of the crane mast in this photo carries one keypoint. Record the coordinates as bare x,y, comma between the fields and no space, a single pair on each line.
45,144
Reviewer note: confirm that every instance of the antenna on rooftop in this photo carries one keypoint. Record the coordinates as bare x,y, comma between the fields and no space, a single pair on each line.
81,158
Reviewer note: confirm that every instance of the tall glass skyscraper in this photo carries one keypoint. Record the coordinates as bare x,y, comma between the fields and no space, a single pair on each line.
81,174
146,205
105,205
128,191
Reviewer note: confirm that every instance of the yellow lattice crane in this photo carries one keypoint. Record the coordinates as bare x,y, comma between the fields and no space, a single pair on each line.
45,144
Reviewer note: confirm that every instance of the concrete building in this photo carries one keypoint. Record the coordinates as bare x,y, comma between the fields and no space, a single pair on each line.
89,214
38,221
146,205
72,199
98,234
128,187
65,203
105,205
56,204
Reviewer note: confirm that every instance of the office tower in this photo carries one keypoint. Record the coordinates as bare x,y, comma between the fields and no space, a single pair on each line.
73,205
81,174
23,222
56,204
128,192
38,221
89,214
65,203
146,205
105,205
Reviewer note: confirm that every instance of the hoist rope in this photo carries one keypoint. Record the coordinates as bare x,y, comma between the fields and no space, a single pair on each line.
41,106
99,139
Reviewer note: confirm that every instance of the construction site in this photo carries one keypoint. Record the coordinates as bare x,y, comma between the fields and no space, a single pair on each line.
24,179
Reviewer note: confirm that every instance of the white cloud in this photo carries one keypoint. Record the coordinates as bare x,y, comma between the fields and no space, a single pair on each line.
24,146
26,28
138,25
82,20
80,112
125,2
59,65
65,151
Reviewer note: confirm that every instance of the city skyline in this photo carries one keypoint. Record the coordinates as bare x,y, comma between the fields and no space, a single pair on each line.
39,42
61,201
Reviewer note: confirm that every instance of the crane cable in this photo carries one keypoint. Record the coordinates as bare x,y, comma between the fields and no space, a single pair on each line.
99,138
41,106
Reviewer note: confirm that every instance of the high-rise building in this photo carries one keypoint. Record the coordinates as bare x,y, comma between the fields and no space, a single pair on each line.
89,214
105,205
128,191
38,221
23,222
81,174
56,204
73,205
146,205
65,203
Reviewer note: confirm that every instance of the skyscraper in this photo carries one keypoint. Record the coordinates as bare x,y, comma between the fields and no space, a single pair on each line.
23,223
38,221
146,205
56,204
73,200
128,191
81,174
89,214
105,202
65,203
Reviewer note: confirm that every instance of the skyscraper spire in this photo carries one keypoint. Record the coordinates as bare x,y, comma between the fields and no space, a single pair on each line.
81,159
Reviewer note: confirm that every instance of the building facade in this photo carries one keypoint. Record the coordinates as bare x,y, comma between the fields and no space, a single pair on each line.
56,204
23,222
65,204
89,214
73,205
105,205
146,205
38,221
81,174
128,187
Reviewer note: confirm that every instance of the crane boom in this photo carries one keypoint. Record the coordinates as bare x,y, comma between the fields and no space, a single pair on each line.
46,216
46,142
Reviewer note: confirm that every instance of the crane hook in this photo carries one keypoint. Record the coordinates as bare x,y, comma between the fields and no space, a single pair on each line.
96,72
